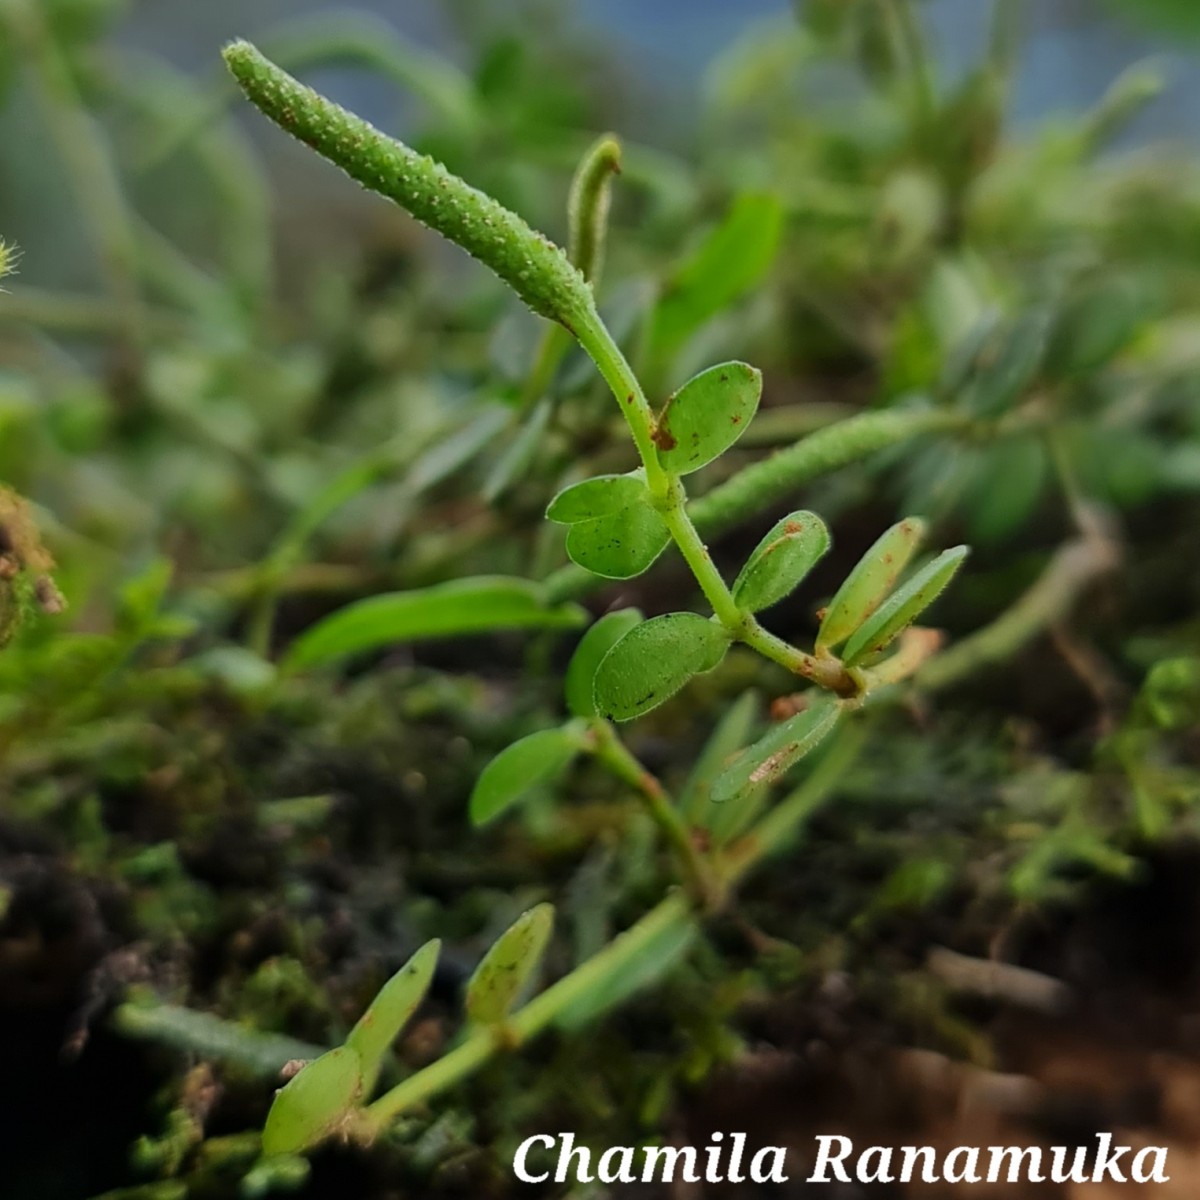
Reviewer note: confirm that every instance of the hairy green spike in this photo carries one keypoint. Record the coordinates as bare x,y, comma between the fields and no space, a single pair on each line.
533,266
8,258
588,205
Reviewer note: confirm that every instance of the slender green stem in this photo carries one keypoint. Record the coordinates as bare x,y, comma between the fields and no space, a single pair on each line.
595,338
827,672
772,835
464,1060
696,555
615,755
263,1054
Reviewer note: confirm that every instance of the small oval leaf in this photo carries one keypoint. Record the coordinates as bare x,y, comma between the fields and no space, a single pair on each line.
519,769
904,606
464,606
619,546
310,1106
777,751
390,1011
781,561
508,966
615,530
593,646
654,660
706,416
869,583
597,497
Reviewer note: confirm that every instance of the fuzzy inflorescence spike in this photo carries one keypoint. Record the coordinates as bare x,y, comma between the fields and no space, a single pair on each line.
532,265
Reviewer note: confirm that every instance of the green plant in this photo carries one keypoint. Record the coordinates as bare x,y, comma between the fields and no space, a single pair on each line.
618,525
990,323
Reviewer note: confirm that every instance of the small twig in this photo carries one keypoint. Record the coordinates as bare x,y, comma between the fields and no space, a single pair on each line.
1072,570
614,754
1093,672
999,981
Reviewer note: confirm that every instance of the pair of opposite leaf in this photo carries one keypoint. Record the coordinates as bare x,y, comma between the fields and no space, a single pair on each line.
615,529
326,1091
624,666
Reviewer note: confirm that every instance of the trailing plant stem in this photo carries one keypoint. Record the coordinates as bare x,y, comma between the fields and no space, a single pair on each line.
614,754
774,833
696,555
541,1012
594,337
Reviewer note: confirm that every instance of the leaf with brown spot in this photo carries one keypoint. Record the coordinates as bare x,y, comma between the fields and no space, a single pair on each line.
390,1011
508,966
778,751
867,586
706,416
781,561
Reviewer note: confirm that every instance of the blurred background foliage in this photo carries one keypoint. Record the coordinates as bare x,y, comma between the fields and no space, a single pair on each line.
239,394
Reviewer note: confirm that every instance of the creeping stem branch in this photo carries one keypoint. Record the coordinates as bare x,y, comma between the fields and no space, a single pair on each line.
676,913
540,1013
